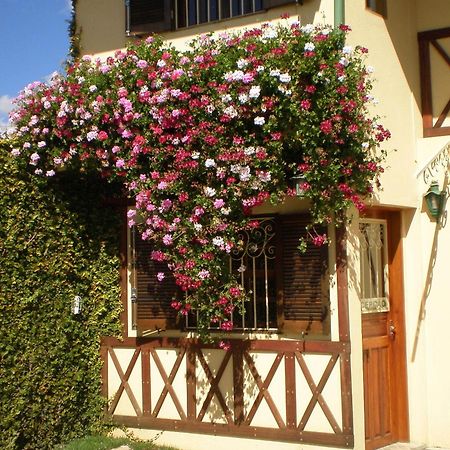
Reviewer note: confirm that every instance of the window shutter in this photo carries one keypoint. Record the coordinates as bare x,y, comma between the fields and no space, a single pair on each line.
305,286
148,16
153,297
267,4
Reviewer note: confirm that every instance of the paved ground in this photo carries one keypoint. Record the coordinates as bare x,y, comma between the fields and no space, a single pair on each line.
410,446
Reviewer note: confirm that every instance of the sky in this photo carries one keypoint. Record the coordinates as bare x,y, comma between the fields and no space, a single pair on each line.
34,43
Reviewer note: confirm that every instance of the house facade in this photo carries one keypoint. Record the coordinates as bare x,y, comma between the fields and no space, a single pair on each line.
352,349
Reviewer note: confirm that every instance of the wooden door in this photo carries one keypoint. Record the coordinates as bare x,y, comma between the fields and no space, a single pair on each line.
384,359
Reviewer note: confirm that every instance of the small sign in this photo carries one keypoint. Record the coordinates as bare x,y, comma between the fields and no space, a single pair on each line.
374,305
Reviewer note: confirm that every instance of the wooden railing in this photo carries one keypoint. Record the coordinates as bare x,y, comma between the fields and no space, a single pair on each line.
292,365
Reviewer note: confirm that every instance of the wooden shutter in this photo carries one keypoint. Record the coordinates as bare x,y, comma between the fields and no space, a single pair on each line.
267,4
304,283
153,297
148,16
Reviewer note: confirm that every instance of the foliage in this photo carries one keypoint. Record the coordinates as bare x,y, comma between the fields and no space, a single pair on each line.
55,242
106,443
202,137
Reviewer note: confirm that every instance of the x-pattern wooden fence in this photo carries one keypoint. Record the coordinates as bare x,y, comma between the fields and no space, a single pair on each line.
291,424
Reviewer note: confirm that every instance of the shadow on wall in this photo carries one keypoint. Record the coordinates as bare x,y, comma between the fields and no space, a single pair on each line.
441,222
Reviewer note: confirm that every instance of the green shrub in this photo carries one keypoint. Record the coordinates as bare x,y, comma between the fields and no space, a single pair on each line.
57,240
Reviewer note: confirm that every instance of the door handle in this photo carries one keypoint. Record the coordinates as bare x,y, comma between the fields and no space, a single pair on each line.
392,330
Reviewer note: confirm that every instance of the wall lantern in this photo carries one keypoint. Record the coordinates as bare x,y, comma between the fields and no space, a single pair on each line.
77,305
434,199
298,184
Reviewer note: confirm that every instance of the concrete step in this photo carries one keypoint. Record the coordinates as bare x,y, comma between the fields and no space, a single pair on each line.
405,446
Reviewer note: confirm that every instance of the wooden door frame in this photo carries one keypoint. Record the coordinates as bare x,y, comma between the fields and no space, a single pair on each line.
397,356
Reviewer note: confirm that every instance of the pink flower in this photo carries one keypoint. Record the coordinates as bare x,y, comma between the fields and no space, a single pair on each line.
326,126
226,326
157,255
225,345
319,240
218,203
176,305
235,292
102,136
160,276
167,239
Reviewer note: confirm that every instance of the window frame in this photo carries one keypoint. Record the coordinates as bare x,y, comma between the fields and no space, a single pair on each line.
377,303
169,21
284,323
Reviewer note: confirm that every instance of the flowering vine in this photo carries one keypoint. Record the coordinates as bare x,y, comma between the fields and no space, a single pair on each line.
201,137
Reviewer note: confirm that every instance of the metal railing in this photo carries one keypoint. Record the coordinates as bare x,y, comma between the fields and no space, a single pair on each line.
195,12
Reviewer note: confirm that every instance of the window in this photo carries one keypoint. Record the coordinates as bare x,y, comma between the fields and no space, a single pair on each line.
154,16
373,266
378,6
434,58
287,290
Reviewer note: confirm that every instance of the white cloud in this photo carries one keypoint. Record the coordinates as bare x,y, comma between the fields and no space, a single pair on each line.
5,107
5,104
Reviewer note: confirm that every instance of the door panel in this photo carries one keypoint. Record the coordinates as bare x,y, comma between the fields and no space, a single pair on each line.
384,358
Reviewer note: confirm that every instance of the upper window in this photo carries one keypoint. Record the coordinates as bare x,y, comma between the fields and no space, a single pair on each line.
287,290
154,16
378,6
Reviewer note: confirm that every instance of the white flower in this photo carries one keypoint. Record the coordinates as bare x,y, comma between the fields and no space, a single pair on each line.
274,73
41,144
210,109
198,226
370,69
264,176
242,63
161,63
243,98
249,151
347,50
344,61
285,78
365,145
269,33
226,98
195,155
230,111
210,192
15,152
259,120
254,92
50,173
210,163
92,88
244,173
218,241
38,171
238,75
34,158
308,28
225,211
260,69
309,47
91,135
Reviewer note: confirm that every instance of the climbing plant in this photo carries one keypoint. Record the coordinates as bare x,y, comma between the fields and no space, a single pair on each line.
201,137
57,241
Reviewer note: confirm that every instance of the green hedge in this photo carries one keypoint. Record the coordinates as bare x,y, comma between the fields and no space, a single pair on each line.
57,240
